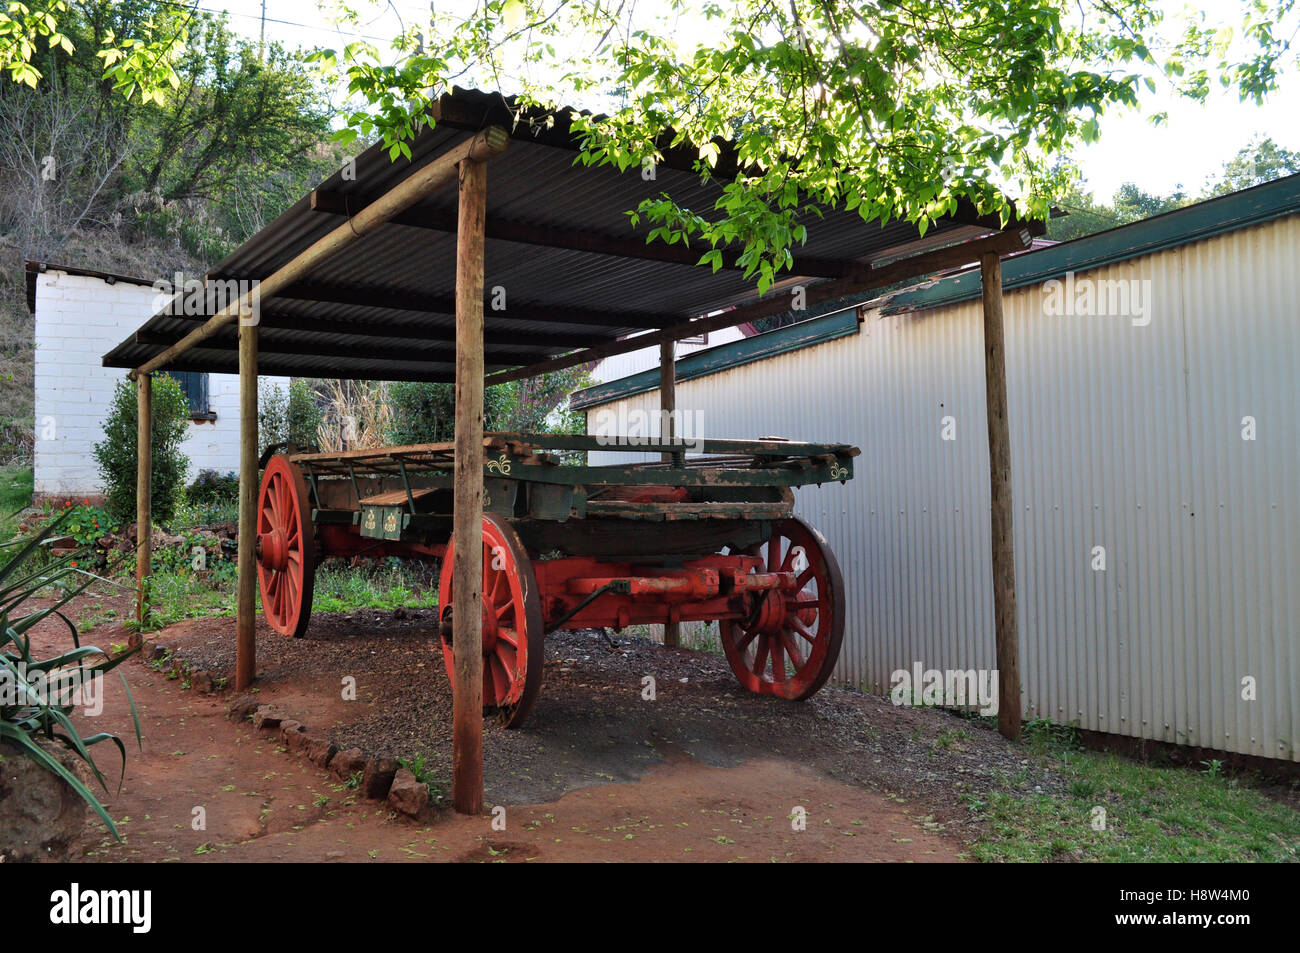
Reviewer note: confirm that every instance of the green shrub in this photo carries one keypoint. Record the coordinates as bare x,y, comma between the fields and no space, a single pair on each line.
116,453
211,487
426,413
293,417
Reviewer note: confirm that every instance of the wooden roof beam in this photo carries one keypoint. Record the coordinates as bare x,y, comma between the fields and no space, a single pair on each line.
275,366
227,342
865,280
274,319
444,220
446,305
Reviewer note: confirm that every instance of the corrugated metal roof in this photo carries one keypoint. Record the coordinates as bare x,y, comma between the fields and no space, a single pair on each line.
384,308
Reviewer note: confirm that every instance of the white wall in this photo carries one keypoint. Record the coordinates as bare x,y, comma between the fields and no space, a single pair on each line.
78,320
646,359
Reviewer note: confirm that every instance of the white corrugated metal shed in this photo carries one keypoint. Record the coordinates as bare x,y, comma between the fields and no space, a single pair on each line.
1128,432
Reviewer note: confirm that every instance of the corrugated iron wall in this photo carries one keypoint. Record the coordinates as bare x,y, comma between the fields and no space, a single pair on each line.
1125,437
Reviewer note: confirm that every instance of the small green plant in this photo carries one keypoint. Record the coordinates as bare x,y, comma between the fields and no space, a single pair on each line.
1044,735
1212,768
424,774
354,781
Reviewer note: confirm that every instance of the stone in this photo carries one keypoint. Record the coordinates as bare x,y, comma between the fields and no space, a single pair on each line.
407,795
294,736
320,751
267,718
242,707
378,777
347,763
202,682
41,816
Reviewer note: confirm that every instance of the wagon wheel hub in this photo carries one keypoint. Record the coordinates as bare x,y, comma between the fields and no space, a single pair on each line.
273,551
769,616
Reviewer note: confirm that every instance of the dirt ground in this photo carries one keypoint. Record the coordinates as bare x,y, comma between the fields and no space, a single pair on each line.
705,771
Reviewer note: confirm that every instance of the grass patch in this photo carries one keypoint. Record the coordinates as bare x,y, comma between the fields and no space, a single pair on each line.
16,486
175,596
392,586
1152,813
183,594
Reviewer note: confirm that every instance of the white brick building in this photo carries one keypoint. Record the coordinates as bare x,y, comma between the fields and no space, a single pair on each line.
81,315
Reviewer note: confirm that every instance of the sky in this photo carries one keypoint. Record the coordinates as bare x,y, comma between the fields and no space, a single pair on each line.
1184,153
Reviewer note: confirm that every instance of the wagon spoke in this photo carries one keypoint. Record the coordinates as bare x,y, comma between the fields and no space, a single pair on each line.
792,650
760,656
778,660
774,554
500,678
802,629
743,643
801,582
508,655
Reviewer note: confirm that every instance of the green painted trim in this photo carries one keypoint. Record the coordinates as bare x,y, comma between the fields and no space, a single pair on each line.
793,337
1227,213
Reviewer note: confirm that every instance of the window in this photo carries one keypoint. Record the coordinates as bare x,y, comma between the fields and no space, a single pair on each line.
195,388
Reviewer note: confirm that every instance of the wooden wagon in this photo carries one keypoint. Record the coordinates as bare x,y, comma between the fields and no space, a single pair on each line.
567,545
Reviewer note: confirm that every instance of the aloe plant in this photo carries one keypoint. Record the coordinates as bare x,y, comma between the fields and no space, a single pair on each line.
30,710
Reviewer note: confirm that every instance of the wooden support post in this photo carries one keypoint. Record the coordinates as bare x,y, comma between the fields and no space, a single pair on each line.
467,500
246,606
1004,557
667,406
143,495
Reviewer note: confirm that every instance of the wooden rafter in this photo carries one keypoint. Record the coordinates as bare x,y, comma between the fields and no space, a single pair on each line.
865,279
546,236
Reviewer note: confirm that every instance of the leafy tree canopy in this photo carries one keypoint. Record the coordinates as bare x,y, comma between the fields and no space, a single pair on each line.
895,108
136,53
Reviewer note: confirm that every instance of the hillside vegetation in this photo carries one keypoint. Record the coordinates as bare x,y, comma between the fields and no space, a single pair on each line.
90,178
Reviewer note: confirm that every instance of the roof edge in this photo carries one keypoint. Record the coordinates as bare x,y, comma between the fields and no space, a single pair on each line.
792,337
35,268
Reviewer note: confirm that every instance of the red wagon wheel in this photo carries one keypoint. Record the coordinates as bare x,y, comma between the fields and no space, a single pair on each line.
789,643
512,624
286,548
